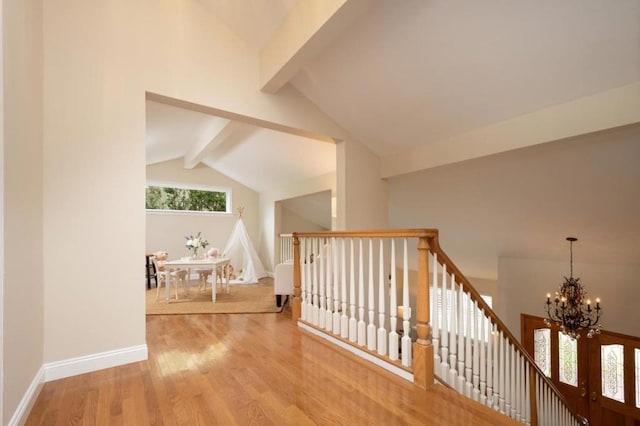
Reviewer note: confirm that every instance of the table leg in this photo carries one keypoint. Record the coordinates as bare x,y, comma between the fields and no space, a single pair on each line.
167,285
214,286
188,290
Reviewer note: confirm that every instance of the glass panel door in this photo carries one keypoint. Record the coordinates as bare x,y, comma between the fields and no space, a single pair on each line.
568,359
542,349
612,367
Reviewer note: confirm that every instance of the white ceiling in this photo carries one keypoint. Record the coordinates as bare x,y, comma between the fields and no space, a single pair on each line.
253,20
259,158
411,73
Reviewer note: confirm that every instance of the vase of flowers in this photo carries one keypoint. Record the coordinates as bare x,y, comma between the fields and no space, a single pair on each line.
195,243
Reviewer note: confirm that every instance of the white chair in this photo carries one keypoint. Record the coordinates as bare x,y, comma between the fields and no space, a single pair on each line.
168,278
204,274
283,280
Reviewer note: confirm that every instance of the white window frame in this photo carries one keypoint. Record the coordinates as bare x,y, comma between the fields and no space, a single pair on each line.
182,185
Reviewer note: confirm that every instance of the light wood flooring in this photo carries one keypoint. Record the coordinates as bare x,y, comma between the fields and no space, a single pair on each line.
247,369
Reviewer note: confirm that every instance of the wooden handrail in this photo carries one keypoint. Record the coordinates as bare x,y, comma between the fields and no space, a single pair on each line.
384,233
443,259
429,240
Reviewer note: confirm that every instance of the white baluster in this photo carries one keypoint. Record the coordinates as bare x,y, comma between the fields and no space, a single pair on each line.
453,333
501,368
371,328
336,286
406,310
515,405
554,407
469,345
496,367
309,244
462,339
352,296
393,307
527,394
362,325
328,323
314,245
303,278
484,347
382,332
490,358
435,315
322,312
521,391
344,320
514,383
509,379
477,347
444,365
539,401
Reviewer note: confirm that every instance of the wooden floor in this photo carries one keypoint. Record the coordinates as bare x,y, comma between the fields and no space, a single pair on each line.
247,369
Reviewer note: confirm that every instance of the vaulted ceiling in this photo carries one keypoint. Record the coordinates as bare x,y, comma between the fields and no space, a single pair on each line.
421,83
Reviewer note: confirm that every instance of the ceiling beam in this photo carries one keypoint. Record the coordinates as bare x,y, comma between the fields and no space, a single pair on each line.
213,136
309,28
605,110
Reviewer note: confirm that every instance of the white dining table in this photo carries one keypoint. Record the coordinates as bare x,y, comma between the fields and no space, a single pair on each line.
188,264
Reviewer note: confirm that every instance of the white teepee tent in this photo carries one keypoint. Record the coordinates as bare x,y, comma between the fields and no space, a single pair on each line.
243,255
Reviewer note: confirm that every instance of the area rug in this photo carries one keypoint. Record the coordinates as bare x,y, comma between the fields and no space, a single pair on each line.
242,298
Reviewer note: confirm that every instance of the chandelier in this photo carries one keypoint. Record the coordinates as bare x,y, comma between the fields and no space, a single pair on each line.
571,308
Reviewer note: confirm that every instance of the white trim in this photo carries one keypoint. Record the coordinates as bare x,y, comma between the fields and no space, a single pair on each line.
182,185
187,212
2,177
72,367
26,403
86,364
164,184
358,352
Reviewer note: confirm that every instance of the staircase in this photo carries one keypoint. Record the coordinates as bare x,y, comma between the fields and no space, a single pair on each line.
360,291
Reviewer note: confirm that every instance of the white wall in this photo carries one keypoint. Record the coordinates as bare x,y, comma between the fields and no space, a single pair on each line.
293,222
271,213
22,309
99,60
166,231
362,202
524,283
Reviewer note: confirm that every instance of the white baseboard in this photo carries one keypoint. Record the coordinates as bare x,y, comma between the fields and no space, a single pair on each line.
28,399
85,364
362,354
72,367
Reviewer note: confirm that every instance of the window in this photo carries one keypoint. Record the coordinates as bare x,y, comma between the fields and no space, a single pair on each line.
542,349
182,198
568,355
612,359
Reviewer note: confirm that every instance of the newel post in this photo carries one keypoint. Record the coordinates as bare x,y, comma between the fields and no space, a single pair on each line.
422,348
296,306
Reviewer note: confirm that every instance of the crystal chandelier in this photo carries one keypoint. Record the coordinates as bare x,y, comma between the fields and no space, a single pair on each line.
571,308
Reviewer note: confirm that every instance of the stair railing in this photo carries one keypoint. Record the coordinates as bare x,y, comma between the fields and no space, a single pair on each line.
356,289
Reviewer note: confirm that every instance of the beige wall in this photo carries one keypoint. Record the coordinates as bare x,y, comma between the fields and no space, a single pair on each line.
271,213
524,283
361,193
22,240
100,59
293,222
166,231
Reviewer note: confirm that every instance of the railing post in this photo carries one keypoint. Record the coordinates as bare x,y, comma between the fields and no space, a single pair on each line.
295,308
422,348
